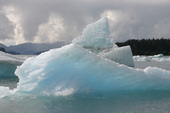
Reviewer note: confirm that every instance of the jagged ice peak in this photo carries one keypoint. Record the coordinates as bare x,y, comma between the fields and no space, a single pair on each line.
96,35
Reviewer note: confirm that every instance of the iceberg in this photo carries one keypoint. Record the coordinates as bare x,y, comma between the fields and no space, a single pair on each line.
7,69
96,38
73,69
8,64
91,64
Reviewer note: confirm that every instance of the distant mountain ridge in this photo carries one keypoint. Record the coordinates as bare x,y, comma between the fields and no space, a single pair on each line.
31,48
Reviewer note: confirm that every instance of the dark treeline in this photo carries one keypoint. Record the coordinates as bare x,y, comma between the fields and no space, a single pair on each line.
148,46
2,49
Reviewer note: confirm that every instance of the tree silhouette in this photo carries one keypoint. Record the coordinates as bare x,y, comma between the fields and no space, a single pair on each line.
148,46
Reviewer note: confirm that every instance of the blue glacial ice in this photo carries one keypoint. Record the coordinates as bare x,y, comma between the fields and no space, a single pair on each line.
73,69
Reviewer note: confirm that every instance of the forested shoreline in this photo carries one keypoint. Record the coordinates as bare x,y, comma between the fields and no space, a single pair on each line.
2,49
148,46
144,46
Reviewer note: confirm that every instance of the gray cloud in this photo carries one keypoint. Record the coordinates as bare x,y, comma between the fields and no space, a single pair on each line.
135,19
6,28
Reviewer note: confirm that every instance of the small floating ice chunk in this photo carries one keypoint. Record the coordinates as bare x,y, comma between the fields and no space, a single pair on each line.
155,58
141,58
158,56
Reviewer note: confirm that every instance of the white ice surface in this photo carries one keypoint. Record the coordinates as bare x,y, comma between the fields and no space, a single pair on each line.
96,38
96,35
5,91
121,55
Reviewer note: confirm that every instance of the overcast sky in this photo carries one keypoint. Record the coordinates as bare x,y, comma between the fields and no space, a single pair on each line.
49,21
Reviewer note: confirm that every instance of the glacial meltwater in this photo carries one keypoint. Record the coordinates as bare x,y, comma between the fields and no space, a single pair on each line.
133,102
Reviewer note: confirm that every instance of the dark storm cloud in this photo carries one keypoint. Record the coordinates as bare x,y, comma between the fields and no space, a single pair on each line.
137,19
